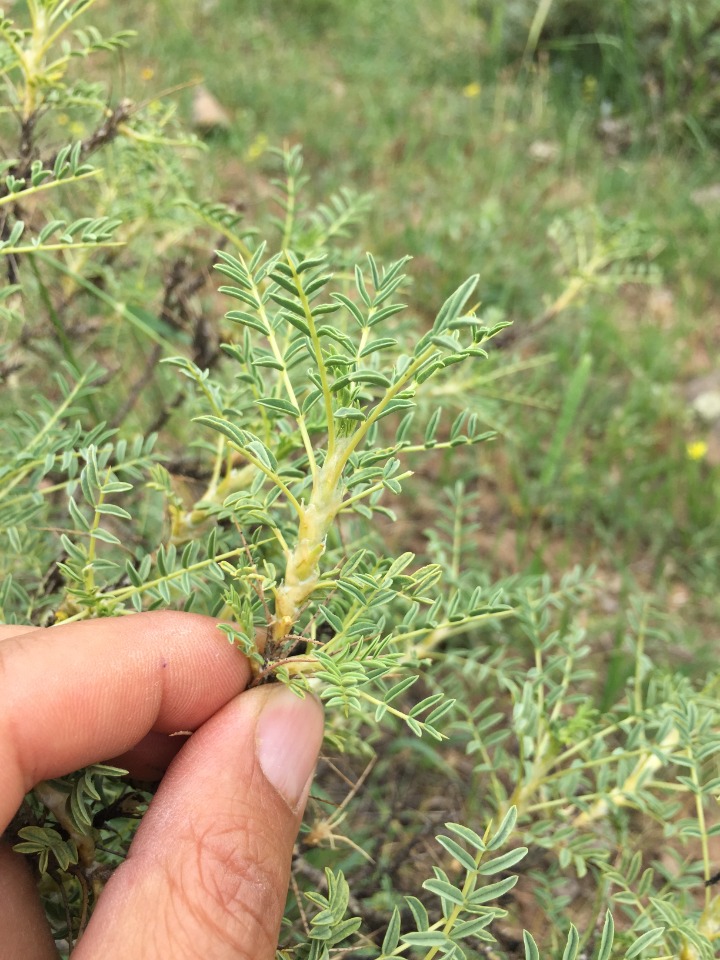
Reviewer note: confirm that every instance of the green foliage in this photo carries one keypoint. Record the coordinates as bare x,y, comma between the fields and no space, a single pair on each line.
44,842
257,473
656,59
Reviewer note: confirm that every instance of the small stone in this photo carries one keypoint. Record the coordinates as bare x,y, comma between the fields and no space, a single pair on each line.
544,151
703,395
706,196
707,406
208,114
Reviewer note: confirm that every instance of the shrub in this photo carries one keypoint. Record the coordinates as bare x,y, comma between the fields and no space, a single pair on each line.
250,475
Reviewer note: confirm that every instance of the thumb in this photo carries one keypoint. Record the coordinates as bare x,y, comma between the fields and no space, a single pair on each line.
208,870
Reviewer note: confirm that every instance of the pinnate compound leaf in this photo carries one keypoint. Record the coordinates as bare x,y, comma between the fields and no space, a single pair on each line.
43,841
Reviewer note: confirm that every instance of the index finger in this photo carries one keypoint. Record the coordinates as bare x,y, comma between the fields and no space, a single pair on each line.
77,694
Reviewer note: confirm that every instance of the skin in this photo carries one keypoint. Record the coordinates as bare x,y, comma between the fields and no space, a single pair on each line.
207,872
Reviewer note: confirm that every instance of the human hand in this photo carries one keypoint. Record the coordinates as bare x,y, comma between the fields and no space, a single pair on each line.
207,872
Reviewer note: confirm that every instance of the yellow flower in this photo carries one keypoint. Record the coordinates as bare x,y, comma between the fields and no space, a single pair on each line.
472,89
147,73
257,147
589,88
696,449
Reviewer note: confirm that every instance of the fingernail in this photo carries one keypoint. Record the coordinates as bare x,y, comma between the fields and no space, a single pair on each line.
288,737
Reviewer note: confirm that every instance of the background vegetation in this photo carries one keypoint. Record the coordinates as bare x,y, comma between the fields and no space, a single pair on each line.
567,153
469,160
